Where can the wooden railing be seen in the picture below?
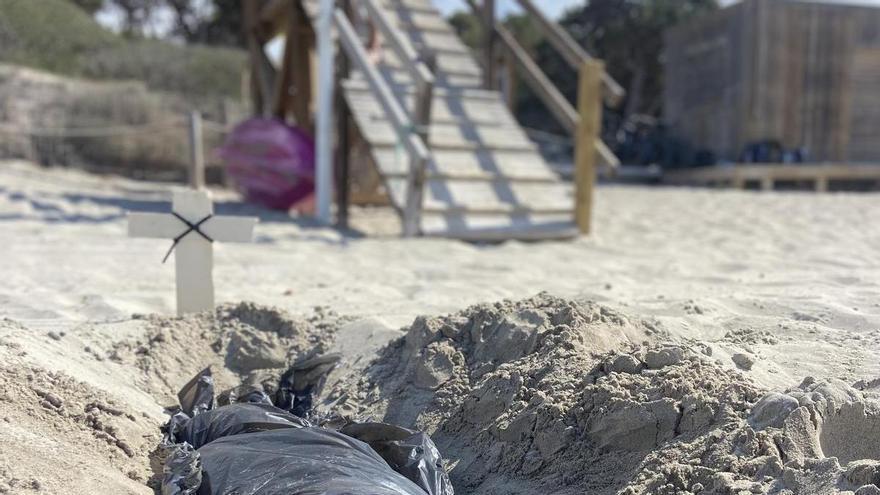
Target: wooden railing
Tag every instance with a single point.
(411, 140)
(571, 51)
(583, 123)
(421, 69)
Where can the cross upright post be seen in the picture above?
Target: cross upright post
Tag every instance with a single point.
(193, 227)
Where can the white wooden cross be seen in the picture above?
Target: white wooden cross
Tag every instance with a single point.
(192, 227)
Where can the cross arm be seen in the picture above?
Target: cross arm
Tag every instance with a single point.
(230, 229)
(153, 225)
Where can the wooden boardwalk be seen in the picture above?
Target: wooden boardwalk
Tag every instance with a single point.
(766, 176)
(485, 179)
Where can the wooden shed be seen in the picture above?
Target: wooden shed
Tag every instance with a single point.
(801, 73)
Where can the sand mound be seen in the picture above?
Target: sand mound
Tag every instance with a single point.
(547, 395)
(58, 433)
(540, 395)
(238, 342)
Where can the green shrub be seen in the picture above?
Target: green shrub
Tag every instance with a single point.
(57, 36)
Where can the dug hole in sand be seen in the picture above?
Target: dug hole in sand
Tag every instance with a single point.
(543, 395)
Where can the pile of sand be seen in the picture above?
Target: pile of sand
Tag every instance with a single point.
(238, 342)
(60, 435)
(547, 395)
(63, 436)
(543, 395)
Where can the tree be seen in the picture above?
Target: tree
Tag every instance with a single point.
(90, 6)
(628, 36)
(136, 14)
(215, 22)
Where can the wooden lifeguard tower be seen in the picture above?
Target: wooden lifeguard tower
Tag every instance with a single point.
(451, 156)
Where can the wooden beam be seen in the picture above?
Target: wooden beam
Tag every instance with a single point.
(589, 127)
(533, 75)
(343, 144)
(489, 36)
(301, 31)
(765, 174)
(284, 82)
(262, 72)
(571, 51)
(510, 80)
(271, 18)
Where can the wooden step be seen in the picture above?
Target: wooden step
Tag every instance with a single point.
(444, 110)
(467, 136)
(452, 64)
(419, 20)
(400, 78)
(475, 227)
(488, 197)
(357, 83)
(483, 165)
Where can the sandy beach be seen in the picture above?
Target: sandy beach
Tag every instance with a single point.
(765, 288)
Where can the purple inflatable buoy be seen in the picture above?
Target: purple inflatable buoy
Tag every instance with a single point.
(271, 163)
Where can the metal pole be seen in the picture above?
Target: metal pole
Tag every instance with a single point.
(196, 151)
(324, 127)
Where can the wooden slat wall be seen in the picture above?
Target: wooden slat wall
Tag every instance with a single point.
(801, 73)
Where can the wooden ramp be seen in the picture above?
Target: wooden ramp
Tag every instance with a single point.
(484, 179)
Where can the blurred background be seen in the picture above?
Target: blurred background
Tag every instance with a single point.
(107, 84)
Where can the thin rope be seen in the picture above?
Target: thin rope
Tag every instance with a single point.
(108, 131)
(192, 227)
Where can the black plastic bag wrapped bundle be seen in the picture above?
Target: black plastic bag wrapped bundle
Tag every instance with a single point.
(236, 419)
(410, 453)
(250, 447)
(297, 461)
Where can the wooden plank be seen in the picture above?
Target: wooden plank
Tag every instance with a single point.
(554, 100)
(475, 227)
(381, 132)
(400, 78)
(440, 42)
(404, 50)
(488, 197)
(449, 111)
(776, 172)
(453, 64)
(589, 126)
(483, 165)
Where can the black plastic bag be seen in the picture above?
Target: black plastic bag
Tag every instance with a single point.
(253, 394)
(182, 470)
(302, 461)
(303, 381)
(412, 454)
(235, 419)
(197, 396)
(250, 447)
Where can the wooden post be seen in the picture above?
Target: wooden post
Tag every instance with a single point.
(417, 172)
(588, 129)
(196, 151)
(259, 93)
(343, 143)
(489, 44)
(510, 80)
